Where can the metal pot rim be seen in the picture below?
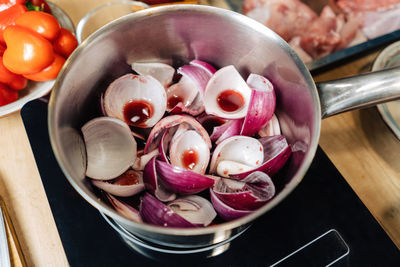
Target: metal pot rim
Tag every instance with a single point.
(192, 231)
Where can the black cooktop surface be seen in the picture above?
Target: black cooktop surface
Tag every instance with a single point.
(322, 223)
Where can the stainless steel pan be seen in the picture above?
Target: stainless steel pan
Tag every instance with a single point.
(181, 33)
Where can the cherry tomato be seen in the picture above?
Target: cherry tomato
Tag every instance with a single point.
(48, 73)
(65, 43)
(8, 17)
(27, 52)
(43, 23)
(41, 4)
(5, 4)
(7, 95)
(14, 81)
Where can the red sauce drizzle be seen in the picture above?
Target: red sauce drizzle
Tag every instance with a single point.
(127, 178)
(190, 159)
(230, 100)
(137, 112)
(173, 101)
(210, 123)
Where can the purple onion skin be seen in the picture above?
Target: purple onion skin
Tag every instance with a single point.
(272, 165)
(155, 212)
(224, 211)
(261, 108)
(150, 176)
(181, 181)
(258, 190)
(241, 201)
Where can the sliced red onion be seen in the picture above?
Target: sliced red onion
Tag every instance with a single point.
(261, 107)
(194, 109)
(227, 95)
(110, 148)
(162, 72)
(181, 92)
(189, 151)
(128, 184)
(233, 128)
(270, 128)
(181, 181)
(204, 65)
(143, 159)
(187, 95)
(164, 144)
(124, 209)
(195, 209)
(102, 109)
(224, 211)
(226, 168)
(138, 100)
(155, 212)
(250, 195)
(240, 149)
(171, 121)
(220, 129)
(140, 133)
(276, 153)
(150, 179)
(209, 122)
(198, 75)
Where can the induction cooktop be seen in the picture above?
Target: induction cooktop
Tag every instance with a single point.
(322, 223)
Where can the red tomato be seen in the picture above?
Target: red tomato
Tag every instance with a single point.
(2, 49)
(8, 17)
(43, 23)
(42, 5)
(7, 95)
(5, 4)
(65, 43)
(48, 73)
(27, 52)
(14, 81)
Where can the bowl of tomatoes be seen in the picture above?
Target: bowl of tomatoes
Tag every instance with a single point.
(36, 38)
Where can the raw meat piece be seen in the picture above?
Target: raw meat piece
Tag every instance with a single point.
(348, 32)
(295, 44)
(286, 17)
(353, 6)
(321, 37)
(379, 23)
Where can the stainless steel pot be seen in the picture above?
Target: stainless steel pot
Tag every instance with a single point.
(181, 33)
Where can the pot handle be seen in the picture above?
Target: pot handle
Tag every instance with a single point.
(358, 91)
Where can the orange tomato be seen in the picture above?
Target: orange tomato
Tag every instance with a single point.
(48, 73)
(65, 43)
(2, 49)
(8, 17)
(27, 52)
(15, 81)
(5, 4)
(43, 23)
(7, 95)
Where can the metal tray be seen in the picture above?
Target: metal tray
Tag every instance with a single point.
(335, 57)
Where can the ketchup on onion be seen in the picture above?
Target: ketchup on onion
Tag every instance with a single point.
(230, 100)
(137, 112)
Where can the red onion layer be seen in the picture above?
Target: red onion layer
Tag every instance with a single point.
(181, 181)
(227, 213)
(276, 153)
(152, 184)
(155, 212)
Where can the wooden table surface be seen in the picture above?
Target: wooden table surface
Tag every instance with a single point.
(360, 145)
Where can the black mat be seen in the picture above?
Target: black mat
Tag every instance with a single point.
(323, 201)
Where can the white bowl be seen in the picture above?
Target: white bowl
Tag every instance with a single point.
(36, 90)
